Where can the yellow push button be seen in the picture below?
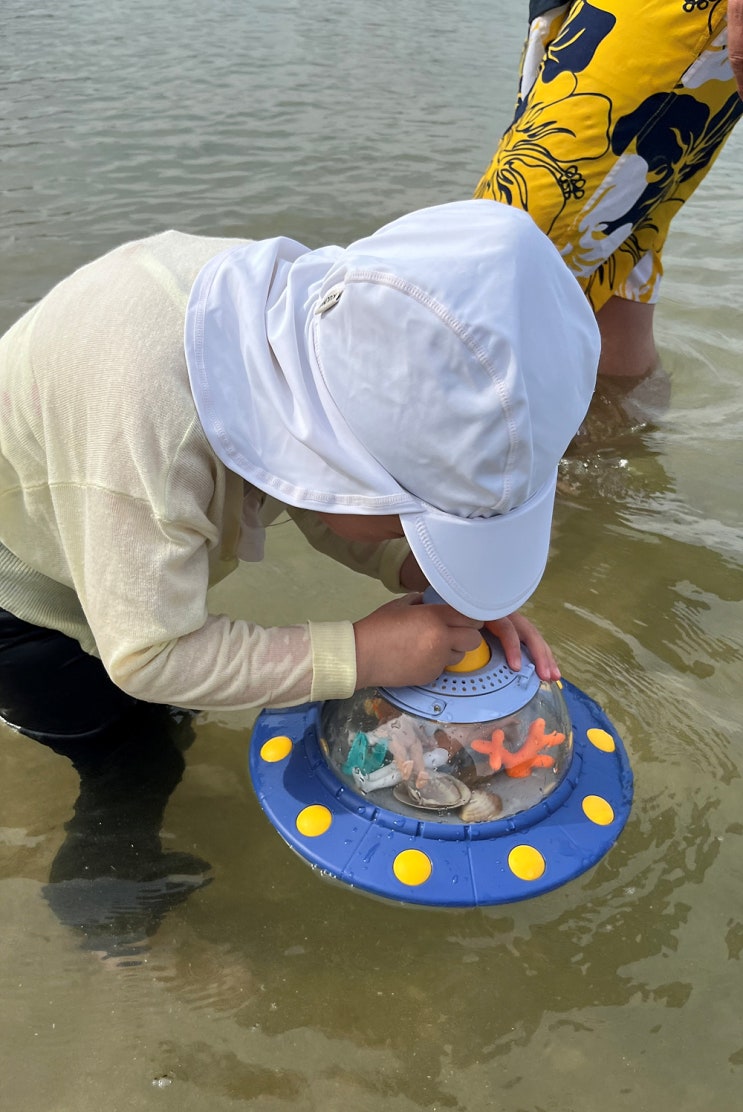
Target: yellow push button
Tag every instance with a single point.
(412, 867)
(471, 661)
(598, 810)
(314, 820)
(526, 863)
(601, 739)
(276, 748)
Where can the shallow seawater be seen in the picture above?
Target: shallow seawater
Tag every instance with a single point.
(268, 987)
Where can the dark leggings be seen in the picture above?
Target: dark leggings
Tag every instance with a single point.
(51, 689)
(110, 880)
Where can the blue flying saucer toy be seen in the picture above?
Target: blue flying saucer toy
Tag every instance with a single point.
(486, 787)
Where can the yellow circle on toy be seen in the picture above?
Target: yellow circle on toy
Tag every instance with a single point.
(471, 661)
(314, 820)
(526, 863)
(276, 748)
(601, 739)
(598, 810)
(412, 867)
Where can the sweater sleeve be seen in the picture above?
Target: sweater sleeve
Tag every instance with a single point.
(144, 595)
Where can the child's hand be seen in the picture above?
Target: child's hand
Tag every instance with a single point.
(405, 643)
(514, 629)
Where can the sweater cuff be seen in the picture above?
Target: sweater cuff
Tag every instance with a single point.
(393, 557)
(333, 660)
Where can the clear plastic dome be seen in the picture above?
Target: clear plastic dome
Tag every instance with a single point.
(468, 771)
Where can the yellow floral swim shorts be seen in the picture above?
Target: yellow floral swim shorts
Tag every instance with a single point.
(623, 106)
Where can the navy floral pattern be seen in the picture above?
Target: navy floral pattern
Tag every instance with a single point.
(677, 136)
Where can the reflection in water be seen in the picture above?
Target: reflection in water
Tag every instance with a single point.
(111, 880)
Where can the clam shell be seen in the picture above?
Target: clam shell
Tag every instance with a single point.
(482, 806)
(441, 792)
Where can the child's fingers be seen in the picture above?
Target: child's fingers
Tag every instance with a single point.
(506, 632)
(544, 660)
(514, 630)
(464, 640)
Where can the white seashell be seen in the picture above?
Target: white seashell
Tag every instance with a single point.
(440, 792)
(482, 806)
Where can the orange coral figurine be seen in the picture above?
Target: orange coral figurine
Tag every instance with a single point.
(494, 749)
(529, 756)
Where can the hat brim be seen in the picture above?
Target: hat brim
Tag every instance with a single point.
(484, 567)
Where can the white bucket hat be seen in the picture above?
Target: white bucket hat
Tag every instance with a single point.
(436, 369)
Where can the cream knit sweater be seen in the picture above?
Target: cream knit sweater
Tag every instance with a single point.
(115, 514)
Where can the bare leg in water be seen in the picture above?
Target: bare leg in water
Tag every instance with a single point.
(627, 343)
